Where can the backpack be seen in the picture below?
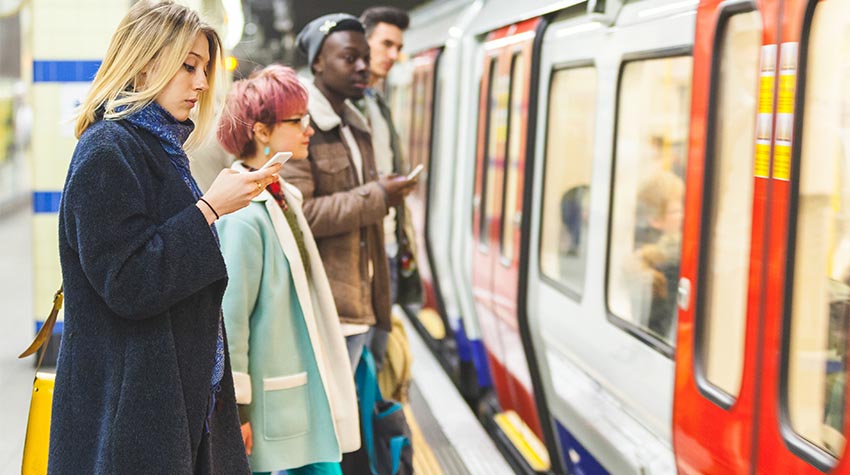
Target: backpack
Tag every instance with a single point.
(386, 435)
(394, 377)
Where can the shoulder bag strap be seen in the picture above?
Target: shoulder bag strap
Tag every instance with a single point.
(46, 330)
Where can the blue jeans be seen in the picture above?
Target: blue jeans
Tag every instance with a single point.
(355, 344)
(377, 337)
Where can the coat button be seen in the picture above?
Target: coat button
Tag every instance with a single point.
(363, 192)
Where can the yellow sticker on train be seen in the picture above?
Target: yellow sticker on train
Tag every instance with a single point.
(787, 83)
(787, 77)
(762, 163)
(766, 94)
(782, 162)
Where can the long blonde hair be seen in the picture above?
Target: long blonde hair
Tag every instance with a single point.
(157, 36)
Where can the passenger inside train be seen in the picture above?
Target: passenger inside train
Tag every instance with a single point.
(658, 242)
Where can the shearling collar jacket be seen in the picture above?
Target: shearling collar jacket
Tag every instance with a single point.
(326, 119)
(346, 218)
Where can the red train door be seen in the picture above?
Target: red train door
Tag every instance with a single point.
(765, 292)
(721, 274)
(497, 217)
(803, 404)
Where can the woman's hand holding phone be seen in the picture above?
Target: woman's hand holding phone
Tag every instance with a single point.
(279, 157)
(232, 190)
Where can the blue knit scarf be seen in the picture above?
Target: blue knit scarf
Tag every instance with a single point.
(172, 134)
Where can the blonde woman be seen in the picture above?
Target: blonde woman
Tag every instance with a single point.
(143, 381)
(290, 362)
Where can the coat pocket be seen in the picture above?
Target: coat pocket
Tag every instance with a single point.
(335, 169)
(286, 406)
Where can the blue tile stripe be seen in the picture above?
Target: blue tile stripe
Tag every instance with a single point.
(64, 71)
(46, 201)
(57, 329)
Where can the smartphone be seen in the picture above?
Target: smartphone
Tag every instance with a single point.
(279, 157)
(416, 171)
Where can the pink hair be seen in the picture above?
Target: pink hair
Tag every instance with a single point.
(267, 96)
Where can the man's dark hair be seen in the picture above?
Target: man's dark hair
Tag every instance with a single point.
(392, 15)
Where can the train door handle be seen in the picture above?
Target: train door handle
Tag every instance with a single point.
(684, 294)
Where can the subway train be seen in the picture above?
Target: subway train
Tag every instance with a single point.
(634, 227)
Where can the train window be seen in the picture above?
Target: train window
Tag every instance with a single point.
(566, 190)
(495, 134)
(723, 297)
(647, 195)
(400, 101)
(418, 140)
(820, 298)
(513, 152)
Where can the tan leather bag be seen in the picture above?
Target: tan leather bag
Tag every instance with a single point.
(37, 440)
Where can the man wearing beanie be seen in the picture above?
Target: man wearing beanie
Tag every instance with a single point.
(345, 200)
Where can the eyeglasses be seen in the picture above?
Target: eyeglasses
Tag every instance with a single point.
(303, 121)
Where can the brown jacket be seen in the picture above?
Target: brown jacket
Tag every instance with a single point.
(346, 218)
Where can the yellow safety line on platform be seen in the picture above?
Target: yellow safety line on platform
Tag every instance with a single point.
(433, 323)
(525, 441)
(424, 461)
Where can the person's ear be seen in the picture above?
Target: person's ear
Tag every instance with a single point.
(141, 79)
(318, 66)
(262, 133)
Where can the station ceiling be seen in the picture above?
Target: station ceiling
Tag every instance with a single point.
(271, 26)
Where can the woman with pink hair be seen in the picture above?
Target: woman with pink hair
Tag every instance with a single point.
(290, 365)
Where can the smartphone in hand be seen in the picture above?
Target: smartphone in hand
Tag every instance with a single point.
(279, 157)
(415, 172)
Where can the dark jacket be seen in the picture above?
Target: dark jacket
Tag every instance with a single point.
(144, 279)
(409, 284)
(346, 218)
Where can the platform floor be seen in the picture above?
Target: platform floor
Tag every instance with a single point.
(447, 437)
(16, 332)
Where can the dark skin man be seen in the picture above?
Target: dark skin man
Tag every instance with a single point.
(341, 71)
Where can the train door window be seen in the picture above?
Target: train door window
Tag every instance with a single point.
(571, 128)
(820, 298)
(417, 136)
(495, 132)
(729, 198)
(513, 152)
(647, 197)
(400, 102)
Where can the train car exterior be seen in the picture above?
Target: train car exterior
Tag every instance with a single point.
(649, 228)
(761, 366)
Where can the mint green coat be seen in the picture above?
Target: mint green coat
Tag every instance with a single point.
(288, 355)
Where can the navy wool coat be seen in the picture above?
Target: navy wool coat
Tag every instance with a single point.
(144, 279)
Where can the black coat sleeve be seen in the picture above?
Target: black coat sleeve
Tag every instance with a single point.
(140, 267)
